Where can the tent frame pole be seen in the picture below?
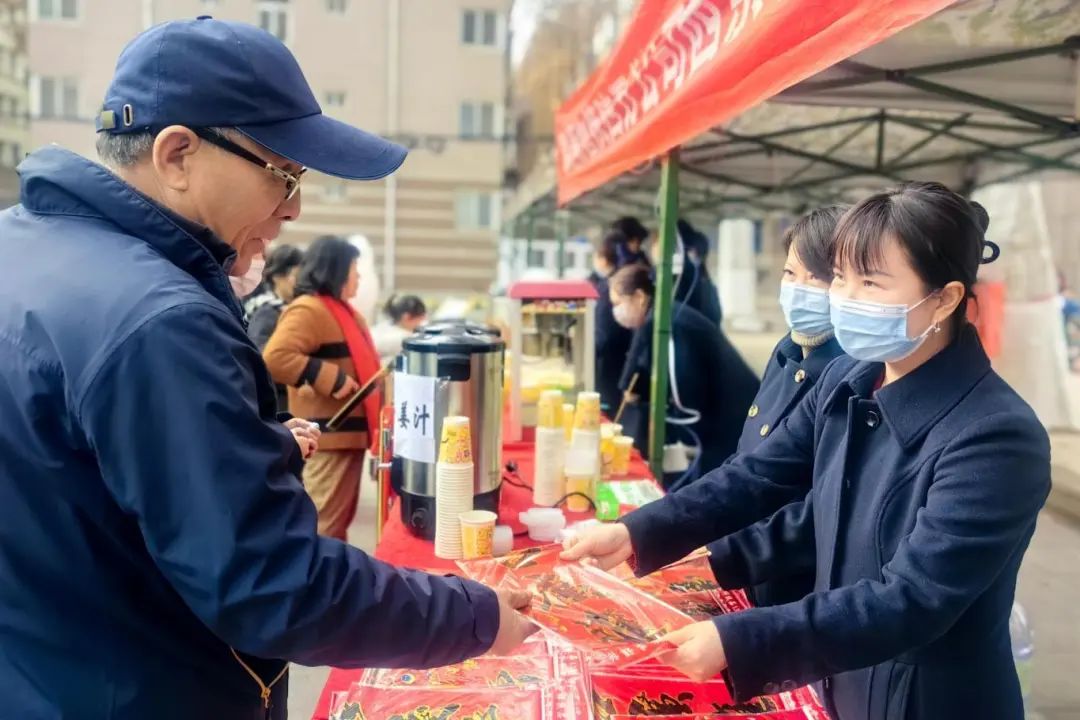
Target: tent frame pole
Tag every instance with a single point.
(662, 307)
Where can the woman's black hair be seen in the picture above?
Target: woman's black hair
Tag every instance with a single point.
(814, 237)
(325, 268)
(942, 233)
(693, 239)
(281, 261)
(398, 307)
(609, 247)
(631, 227)
(632, 278)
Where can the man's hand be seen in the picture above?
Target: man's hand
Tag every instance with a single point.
(306, 434)
(698, 653)
(346, 391)
(513, 626)
(606, 546)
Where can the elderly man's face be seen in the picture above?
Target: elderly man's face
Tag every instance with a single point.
(243, 204)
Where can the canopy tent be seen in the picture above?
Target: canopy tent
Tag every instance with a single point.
(968, 93)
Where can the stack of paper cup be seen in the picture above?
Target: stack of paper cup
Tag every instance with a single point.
(453, 486)
(568, 419)
(583, 454)
(587, 413)
(608, 433)
(620, 463)
(548, 481)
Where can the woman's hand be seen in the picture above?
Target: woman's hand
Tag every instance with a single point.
(346, 391)
(606, 546)
(698, 653)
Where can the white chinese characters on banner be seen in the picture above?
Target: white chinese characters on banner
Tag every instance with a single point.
(414, 417)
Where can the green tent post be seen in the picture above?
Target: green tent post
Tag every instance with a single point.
(562, 231)
(665, 287)
(530, 228)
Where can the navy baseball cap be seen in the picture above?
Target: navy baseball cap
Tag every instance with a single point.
(213, 73)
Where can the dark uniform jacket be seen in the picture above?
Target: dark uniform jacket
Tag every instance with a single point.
(924, 498)
(151, 512)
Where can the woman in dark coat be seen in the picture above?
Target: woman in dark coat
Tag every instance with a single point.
(612, 339)
(798, 360)
(710, 385)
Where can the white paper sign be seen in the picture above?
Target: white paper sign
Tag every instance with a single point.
(414, 417)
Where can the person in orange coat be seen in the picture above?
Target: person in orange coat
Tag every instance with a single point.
(322, 350)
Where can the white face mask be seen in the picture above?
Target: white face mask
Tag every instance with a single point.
(246, 283)
(625, 316)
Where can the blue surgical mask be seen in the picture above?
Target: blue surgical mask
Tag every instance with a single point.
(875, 332)
(806, 308)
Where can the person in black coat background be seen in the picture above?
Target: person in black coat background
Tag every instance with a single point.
(710, 385)
(632, 251)
(612, 339)
(694, 285)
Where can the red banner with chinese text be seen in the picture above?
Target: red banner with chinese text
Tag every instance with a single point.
(685, 66)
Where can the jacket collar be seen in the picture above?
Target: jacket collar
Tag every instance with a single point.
(55, 181)
(788, 351)
(915, 403)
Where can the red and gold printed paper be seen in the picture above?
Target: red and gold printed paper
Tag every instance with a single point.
(416, 703)
(512, 571)
(667, 694)
(689, 586)
(602, 615)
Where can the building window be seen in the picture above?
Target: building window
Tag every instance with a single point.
(16, 154)
(56, 98)
(335, 98)
(337, 6)
(475, 210)
(477, 120)
(56, 9)
(480, 27)
(210, 4)
(335, 191)
(274, 18)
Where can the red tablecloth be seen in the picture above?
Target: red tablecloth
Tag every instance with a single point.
(399, 547)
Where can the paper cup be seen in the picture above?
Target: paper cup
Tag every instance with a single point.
(620, 461)
(548, 484)
(549, 409)
(502, 541)
(568, 419)
(456, 444)
(577, 486)
(587, 413)
(477, 533)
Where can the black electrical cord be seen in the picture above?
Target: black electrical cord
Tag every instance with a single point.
(511, 477)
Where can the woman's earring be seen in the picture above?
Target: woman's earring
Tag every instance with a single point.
(937, 328)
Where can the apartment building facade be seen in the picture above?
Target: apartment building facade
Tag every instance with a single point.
(429, 73)
(14, 96)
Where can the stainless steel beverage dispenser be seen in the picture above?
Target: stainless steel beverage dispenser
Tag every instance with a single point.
(467, 362)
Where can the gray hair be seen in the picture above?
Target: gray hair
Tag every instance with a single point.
(127, 149)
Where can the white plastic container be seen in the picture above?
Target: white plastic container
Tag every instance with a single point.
(544, 524)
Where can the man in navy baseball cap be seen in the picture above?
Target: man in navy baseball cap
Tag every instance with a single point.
(162, 553)
(185, 85)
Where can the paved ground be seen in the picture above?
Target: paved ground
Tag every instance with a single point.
(1049, 581)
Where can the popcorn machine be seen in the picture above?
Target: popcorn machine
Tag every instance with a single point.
(552, 345)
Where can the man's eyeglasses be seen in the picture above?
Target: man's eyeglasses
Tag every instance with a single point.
(292, 181)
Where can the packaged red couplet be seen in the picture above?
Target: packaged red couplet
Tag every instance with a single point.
(484, 671)
(637, 695)
(601, 614)
(514, 570)
(780, 715)
(367, 703)
(690, 586)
